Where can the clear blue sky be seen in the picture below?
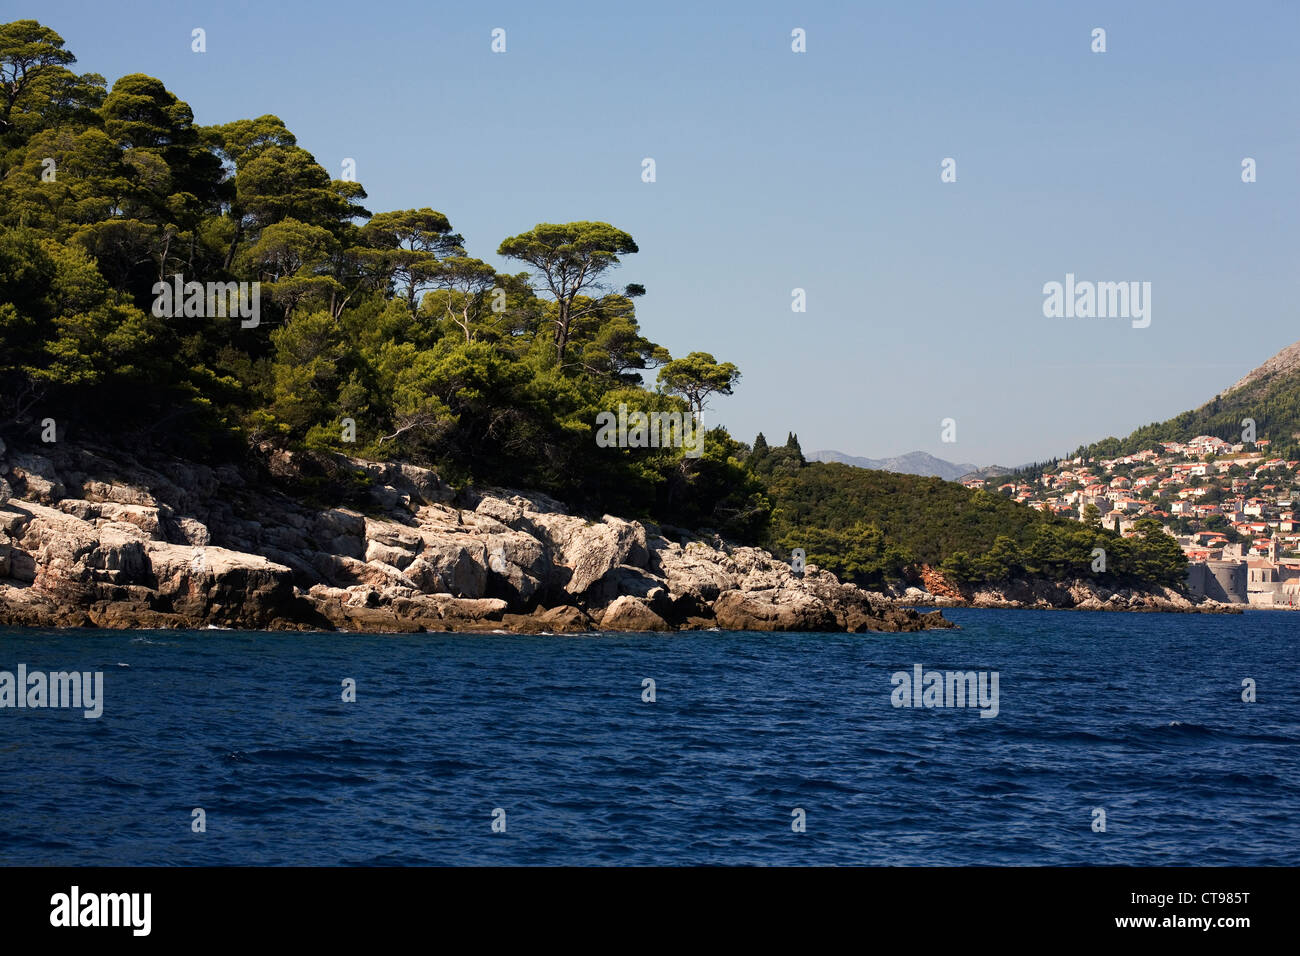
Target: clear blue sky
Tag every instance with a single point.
(821, 170)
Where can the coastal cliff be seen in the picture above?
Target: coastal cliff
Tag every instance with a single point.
(96, 537)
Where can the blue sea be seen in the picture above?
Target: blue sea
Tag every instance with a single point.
(1140, 716)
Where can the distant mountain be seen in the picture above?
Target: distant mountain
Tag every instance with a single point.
(913, 463)
(992, 471)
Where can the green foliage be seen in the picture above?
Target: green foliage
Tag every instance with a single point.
(698, 376)
(1272, 401)
(782, 461)
(569, 260)
(859, 552)
(870, 524)
(383, 326)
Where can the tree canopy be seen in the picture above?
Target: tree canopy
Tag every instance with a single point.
(570, 259)
(378, 335)
(382, 336)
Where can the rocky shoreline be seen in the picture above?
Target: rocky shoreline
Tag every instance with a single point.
(94, 537)
(1079, 594)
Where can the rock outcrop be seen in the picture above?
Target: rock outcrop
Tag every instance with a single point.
(90, 537)
(1081, 594)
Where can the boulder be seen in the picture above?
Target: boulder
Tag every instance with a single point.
(392, 543)
(456, 565)
(34, 478)
(627, 581)
(507, 512)
(469, 609)
(694, 578)
(786, 610)
(118, 557)
(218, 586)
(590, 550)
(416, 484)
(120, 493)
(341, 531)
(519, 568)
(632, 614)
(563, 619)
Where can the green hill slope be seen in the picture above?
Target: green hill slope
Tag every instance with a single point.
(870, 526)
(1269, 395)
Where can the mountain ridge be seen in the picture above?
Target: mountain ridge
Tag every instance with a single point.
(911, 463)
(1287, 360)
(915, 463)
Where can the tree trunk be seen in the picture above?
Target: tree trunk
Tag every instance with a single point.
(562, 332)
(234, 244)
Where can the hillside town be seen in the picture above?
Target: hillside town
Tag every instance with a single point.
(1232, 508)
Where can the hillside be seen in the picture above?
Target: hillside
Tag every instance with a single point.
(876, 527)
(1222, 480)
(1269, 395)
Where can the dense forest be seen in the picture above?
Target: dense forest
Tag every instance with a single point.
(379, 335)
(871, 525)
